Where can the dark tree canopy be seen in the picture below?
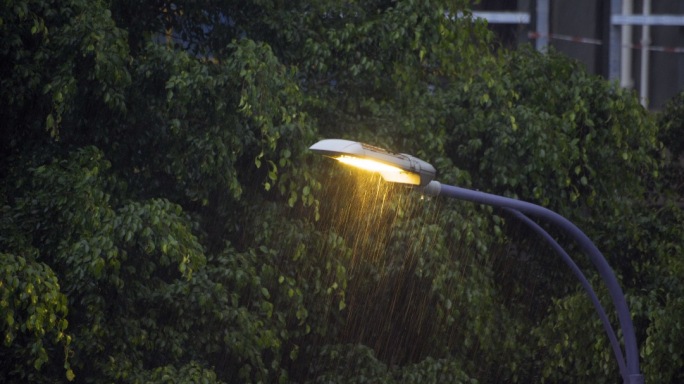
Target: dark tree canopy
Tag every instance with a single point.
(161, 219)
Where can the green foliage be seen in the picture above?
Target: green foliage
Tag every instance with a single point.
(671, 122)
(541, 128)
(249, 103)
(560, 336)
(33, 316)
(162, 219)
(357, 364)
(53, 54)
(351, 364)
(189, 373)
(658, 308)
(664, 336)
(576, 168)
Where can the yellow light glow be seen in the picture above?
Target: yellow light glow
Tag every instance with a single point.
(368, 164)
(389, 172)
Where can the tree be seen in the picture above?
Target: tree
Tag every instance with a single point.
(161, 209)
(671, 122)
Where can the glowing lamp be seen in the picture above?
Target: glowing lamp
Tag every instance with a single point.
(393, 167)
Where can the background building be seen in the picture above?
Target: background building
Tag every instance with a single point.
(639, 43)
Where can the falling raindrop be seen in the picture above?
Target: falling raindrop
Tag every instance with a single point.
(429, 277)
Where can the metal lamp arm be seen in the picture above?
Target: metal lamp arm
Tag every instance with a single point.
(631, 350)
(615, 344)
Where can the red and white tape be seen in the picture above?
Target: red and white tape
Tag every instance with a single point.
(587, 40)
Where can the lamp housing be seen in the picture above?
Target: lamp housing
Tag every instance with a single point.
(393, 167)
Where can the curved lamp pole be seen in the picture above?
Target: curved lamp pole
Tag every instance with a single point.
(406, 169)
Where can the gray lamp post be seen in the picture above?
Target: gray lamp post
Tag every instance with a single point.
(406, 169)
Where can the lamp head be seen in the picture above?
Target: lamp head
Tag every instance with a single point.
(393, 167)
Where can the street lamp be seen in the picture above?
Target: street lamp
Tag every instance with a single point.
(406, 169)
